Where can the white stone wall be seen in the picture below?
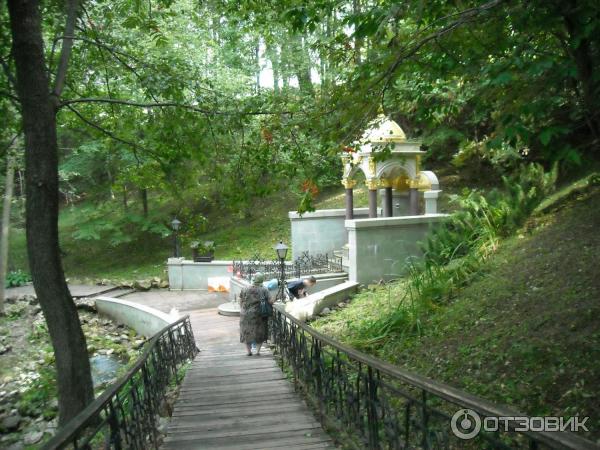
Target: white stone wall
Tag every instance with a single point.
(145, 320)
(190, 275)
(321, 231)
(379, 248)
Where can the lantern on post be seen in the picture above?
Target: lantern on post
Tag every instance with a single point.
(281, 249)
(175, 226)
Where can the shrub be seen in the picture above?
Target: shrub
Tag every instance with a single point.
(17, 278)
(453, 253)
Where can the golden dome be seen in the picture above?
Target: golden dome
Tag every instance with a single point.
(383, 130)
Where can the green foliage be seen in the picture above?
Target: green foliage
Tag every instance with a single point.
(100, 223)
(455, 251)
(39, 395)
(203, 247)
(16, 278)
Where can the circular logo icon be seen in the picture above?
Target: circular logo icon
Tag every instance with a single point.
(465, 424)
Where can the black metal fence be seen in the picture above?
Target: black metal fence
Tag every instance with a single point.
(124, 416)
(375, 405)
(304, 265)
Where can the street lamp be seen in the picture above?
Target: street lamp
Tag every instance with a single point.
(281, 250)
(175, 225)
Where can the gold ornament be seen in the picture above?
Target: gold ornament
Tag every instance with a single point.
(386, 183)
(372, 166)
(348, 183)
(373, 183)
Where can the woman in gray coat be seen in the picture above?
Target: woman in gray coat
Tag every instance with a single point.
(254, 328)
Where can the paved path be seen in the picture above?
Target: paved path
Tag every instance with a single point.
(229, 400)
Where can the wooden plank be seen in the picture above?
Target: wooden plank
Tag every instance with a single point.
(243, 435)
(198, 403)
(227, 399)
(240, 422)
(243, 409)
(256, 388)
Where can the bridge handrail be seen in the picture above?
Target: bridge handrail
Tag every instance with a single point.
(130, 415)
(373, 398)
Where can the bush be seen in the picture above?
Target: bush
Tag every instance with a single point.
(17, 278)
(454, 252)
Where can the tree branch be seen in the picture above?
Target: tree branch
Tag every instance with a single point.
(135, 147)
(97, 43)
(67, 44)
(10, 143)
(9, 95)
(170, 105)
(9, 75)
(464, 17)
(103, 130)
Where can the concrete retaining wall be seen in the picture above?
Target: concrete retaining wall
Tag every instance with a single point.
(189, 275)
(143, 319)
(321, 231)
(308, 307)
(380, 248)
(324, 281)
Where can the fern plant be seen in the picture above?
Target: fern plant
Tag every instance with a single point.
(455, 251)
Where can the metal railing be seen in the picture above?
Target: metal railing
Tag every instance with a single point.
(124, 416)
(304, 265)
(375, 405)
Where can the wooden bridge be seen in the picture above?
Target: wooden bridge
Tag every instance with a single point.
(232, 401)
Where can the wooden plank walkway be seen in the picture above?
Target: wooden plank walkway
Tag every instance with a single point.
(232, 401)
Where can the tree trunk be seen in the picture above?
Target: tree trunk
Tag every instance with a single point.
(273, 56)
(41, 184)
(145, 201)
(125, 198)
(4, 238)
(258, 69)
(357, 41)
(303, 66)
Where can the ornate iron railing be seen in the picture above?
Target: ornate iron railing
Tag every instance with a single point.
(304, 265)
(124, 416)
(375, 405)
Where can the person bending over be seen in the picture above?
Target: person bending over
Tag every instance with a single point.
(298, 288)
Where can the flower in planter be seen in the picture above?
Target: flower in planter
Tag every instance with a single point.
(203, 249)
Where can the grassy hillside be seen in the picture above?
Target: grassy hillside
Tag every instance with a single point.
(525, 332)
(146, 254)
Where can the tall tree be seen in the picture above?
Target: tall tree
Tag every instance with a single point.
(38, 110)
(4, 239)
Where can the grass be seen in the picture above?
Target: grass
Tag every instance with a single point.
(524, 332)
(145, 255)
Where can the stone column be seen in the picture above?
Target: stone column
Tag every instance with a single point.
(349, 204)
(372, 185)
(349, 186)
(431, 198)
(413, 197)
(388, 210)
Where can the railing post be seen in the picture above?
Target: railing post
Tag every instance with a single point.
(424, 420)
(115, 431)
(372, 418)
(317, 370)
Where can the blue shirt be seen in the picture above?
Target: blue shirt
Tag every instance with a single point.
(295, 286)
